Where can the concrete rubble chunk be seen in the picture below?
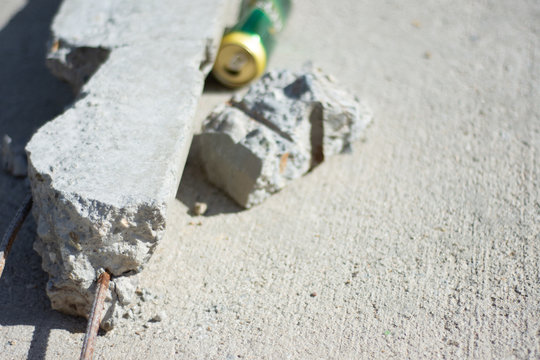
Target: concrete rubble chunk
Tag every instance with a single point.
(284, 125)
(103, 172)
(246, 159)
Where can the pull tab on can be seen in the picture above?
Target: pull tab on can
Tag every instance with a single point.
(245, 49)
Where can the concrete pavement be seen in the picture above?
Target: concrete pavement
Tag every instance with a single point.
(422, 243)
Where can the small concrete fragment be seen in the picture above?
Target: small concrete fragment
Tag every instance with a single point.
(104, 171)
(199, 208)
(286, 124)
(13, 157)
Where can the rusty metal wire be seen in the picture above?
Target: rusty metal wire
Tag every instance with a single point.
(13, 229)
(94, 319)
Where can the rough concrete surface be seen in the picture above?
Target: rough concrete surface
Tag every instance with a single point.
(422, 243)
(286, 124)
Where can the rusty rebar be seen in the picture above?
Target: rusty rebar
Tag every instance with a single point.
(94, 318)
(13, 229)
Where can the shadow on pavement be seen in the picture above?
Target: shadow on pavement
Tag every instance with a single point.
(212, 86)
(29, 94)
(29, 97)
(195, 188)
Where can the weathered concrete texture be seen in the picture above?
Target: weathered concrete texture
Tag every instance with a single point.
(103, 172)
(309, 102)
(286, 124)
(246, 159)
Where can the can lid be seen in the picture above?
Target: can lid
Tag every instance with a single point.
(241, 58)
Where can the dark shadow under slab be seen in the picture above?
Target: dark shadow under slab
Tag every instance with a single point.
(29, 97)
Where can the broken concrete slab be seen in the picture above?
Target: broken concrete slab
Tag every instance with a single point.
(84, 33)
(285, 124)
(103, 173)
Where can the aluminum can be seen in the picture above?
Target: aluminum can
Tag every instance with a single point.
(246, 47)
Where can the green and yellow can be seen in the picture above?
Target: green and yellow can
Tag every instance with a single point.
(245, 48)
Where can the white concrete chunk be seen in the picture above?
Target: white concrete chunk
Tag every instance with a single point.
(286, 124)
(103, 172)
